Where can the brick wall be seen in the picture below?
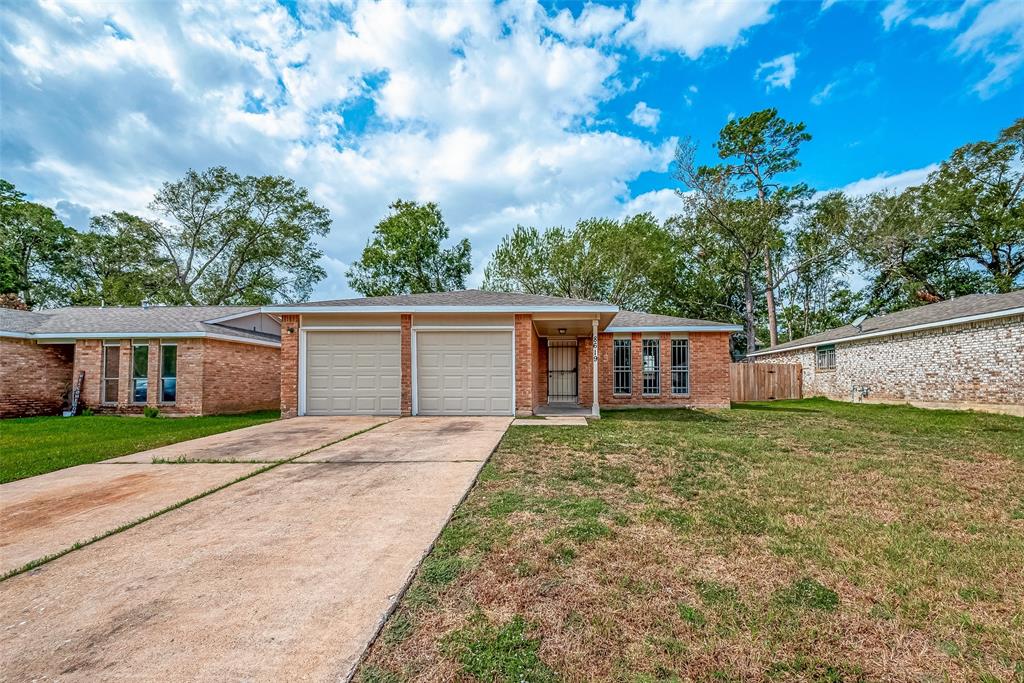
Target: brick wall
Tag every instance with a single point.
(978, 365)
(525, 341)
(289, 366)
(585, 370)
(540, 364)
(406, 406)
(239, 378)
(34, 378)
(709, 373)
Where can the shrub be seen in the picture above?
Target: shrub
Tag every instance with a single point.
(86, 412)
(151, 411)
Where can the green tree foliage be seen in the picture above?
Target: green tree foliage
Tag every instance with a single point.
(232, 239)
(34, 250)
(624, 262)
(405, 254)
(744, 202)
(117, 268)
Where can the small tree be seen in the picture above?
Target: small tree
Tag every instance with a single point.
(405, 254)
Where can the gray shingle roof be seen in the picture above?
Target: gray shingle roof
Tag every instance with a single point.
(20, 321)
(937, 313)
(86, 320)
(634, 319)
(464, 297)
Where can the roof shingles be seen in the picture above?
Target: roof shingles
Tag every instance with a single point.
(932, 314)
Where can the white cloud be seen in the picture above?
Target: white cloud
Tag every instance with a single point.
(662, 203)
(644, 116)
(778, 72)
(478, 107)
(895, 182)
(895, 13)
(997, 34)
(692, 26)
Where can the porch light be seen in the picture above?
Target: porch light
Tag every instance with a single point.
(561, 330)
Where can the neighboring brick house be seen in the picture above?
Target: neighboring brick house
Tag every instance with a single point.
(476, 353)
(965, 353)
(184, 360)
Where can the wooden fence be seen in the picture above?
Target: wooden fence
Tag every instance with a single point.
(765, 381)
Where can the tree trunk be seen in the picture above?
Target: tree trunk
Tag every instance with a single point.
(769, 295)
(748, 312)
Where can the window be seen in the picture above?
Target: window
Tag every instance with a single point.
(826, 357)
(111, 372)
(168, 373)
(652, 366)
(622, 367)
(680, 366)
(140, 373)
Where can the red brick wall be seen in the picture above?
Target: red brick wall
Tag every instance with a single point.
(525, 341)
(239, 378)
(709, 372)
(33, 377)
(289, 366)
(191, 373)
(585, 368)
(406, 406)
(87, 357)
(540, 363)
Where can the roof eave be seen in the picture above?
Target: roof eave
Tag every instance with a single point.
(49, 336)
(675, 328)
(600, 308)
(963, 320)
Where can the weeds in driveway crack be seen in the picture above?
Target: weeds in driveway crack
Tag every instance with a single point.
(174, 506)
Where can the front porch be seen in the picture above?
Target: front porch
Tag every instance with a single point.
(565, 365)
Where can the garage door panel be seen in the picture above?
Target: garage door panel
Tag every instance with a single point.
(353, 372)
(464, 373)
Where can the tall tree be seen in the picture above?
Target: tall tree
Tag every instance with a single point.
(34, 248)
(405, 254)
(624, 262)
(756, 150)
(232, 239)
(975, 202)
(117, 269)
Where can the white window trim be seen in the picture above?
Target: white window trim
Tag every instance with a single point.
(160, 396)
(619, 368)
(133, 378)
(679, 368)
(657, 370)
(103, 373)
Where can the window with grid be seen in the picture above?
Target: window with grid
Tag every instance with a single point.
(826, 357)
(652, 366)
(168, 373)
(680, 366)
(622, 367)
(111, 372)
(140, 373)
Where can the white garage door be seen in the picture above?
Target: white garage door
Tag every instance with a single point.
(464, 373)
(350, 373)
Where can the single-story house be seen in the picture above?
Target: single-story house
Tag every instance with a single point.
(453, 353)
(964, 353)
(187, 360)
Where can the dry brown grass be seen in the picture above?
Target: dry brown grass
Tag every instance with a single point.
(828, 543)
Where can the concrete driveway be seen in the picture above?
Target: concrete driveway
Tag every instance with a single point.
(285, 575)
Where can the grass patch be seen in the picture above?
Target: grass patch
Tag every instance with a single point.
(36, 445)
(792, 541)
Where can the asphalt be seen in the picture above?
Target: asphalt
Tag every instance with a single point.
(285, 575)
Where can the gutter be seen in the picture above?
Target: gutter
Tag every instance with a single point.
(949, 322)
(677, 328)
(439, 309)
(139, 335)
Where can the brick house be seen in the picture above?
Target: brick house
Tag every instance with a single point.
(184, 360)
(475, 352)
(453, 353)
(965, 353)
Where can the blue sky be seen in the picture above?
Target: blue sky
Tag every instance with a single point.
(525, 112)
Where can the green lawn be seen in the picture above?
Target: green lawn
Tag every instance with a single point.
(36, 445)
(793, 541)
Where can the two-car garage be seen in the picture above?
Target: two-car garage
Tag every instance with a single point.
(454, 372)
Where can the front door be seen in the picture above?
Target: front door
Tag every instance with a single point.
(562, 371)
